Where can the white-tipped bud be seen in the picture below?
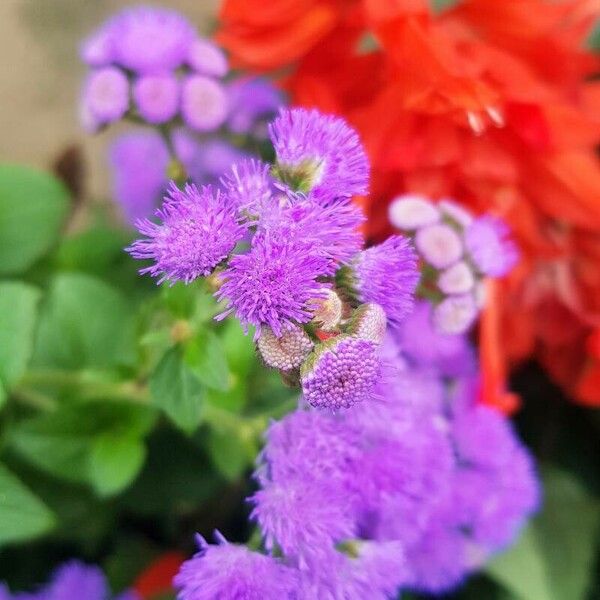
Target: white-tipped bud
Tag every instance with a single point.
(369, 322)
(457, 279)
(455, 314)
(284, 353)
(456, 213)
(410, 211)
(328, 311)
(439, 245)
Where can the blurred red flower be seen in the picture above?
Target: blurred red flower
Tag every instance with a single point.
(490, 103)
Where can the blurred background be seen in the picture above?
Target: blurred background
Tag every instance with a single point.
(40, 84)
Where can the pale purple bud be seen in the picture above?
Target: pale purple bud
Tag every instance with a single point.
(204, 104)
(456, 212)
(369, 323)
(457, 279)
(455, 314)
(206, 58)
(157, 97)
(410, 211)
(439, 245)
(105, 97)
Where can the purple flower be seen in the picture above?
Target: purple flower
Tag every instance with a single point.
(340, 373)
(387, 275)
(331, 231)
(231, 572)
(426, 347)
(487, 242)
(198, 230)
(139, 161)
(204, 105)
(457, 279)
(150, 40)
(206, 58)
(273, 284)
(456, 213)
(439, 245)
(105, 98)
(156, 97)
(249, 185)
(319, 152)
(252, 101)
(303, 517)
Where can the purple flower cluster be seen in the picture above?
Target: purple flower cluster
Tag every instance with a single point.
(413, 491)
(280, 244)
(71, 580)
(458, 252)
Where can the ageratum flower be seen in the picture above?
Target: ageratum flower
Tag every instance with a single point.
(231, 572)
(105, 98)
(250, 186)
(387, 275)
(198, 229)
(204, 104)
(206, 58)
(341, 373)
(272, 284)
(138, 161)
(319, 153)
(72, 580)
(487, 242)
(253, 101)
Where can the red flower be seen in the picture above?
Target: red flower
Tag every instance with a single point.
(490, 103)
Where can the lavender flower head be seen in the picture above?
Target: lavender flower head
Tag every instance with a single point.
(252, 101)
(157, 97)
(319, 153)
(341, 373)
(272, 284)
(387, 275)
(139, 161)
(197, 230)
(250, 186)
(204, 104)
(105, 98)
(206, 58)
(487, 242)
(150, 40)
(71, 580)
(231, 572)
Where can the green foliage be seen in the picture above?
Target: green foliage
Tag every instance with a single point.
(22, 515)
(33, 208)
(18, 313)
(554, 559)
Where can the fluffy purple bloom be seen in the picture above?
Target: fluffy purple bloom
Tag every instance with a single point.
(273, 284)
(206, 58)
(139, 163)
(97, 49)
(487, 243)
(426, 347)
(331, 231)
(204, 105)
(319, 152)
(252, 101)
(231, 572)
(150, 40)
(341, 373)
(303, 517)
(457, 279)
(197, 230)
(249, 185)
(410, 211)
(105, 97)
(387, 275)
(156, 97)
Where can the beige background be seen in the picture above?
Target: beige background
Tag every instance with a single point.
(40, 75)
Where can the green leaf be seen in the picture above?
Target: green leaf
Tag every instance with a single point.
(62, 442)
(18, 306)
(115, 460)
(554, 559)
(84, 323)
(440, 5)
(205, 356)
(230, 454)
(33, 207)
(22, 514)
(177, 391)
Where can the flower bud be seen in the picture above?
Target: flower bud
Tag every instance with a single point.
(368, 322)
(284, 353)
